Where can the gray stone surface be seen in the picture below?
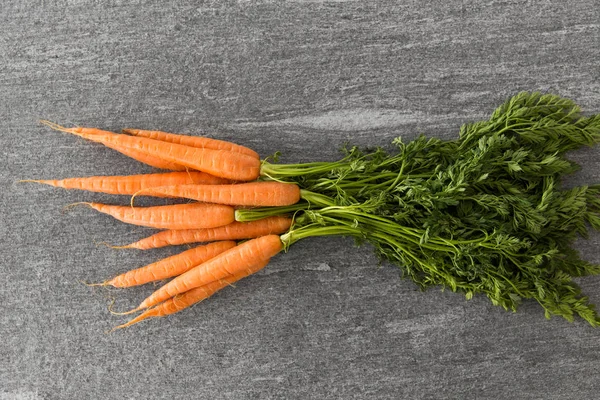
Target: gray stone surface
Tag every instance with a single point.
(322, 321)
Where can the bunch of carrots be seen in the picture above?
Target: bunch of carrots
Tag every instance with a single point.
(219, 177)
(482, 213)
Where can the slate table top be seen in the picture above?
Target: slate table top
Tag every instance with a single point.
(323, 321)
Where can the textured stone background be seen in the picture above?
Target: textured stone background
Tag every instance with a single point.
(301, 77)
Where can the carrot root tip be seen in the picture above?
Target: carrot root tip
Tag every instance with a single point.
(116, 328)
(56, 126)
(126, 324)
(133, 196)
(105, 283)
(30, 180)
(69, 206)
(125, 246)
(142, 317)
(121, 313)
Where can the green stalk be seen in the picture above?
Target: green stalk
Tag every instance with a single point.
(314, 230)
(281, 171)
(253, 214)
(476, 213)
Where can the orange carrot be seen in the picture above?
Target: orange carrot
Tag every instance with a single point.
(240, 258)
(221, 163)
(135, 154)
(146, 159)
(170, 266)
(176, 216)
(235, 230)
(132, 184)
(191, 297)
(241, 194)
(193, 141)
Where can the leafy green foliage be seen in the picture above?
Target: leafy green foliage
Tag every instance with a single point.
(484, 213)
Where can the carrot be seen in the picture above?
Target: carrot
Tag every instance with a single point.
(221, 163)
(242, 194)
(193, 141)
(135, 154)
(240, 258)
(235, 230)
(132, 184)
(176, 216)
(170, 266)
(191, 297)
(146, 159)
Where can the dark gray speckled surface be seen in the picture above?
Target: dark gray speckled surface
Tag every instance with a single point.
(302, 77)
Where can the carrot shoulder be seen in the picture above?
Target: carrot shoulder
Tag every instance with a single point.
(191, 297)
(234, 231)
(176, 216)
(230, 262)
(133, 184)
(221, 163)
(241, 194)
(170, 266)
(193, 141)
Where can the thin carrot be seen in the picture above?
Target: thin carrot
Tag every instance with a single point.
(234, 231)
(193, 141)
(230, 262)
(176, 216)
(191, 297)
(221, 163)
(135, 154)
(170, 266)
(132, 184)
(241, 194)
(147, 159)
